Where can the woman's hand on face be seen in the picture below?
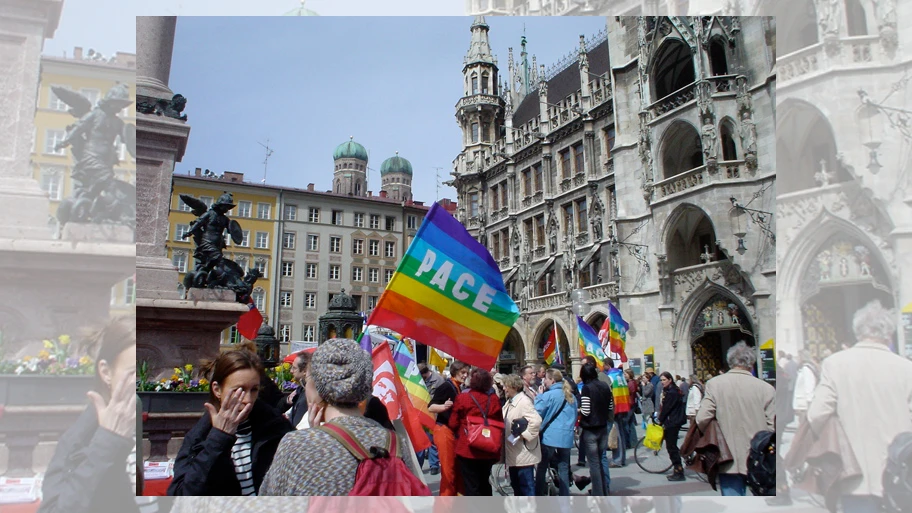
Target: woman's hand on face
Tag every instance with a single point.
(231, 414)
(119, 414)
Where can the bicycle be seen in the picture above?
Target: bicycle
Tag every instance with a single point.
(500, 480)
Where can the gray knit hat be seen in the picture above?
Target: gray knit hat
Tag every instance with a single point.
(342, 372)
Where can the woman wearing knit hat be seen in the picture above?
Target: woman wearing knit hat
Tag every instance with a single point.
(311, 461)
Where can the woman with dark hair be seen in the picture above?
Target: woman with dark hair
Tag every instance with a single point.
(671, 417)
(95, 464)
(229, 450)
(475, 465)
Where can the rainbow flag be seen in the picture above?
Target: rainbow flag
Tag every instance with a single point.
(404, 357)
(388, 387)
(613, 335)
(448, 293)
(552, 348)
(589, 343)
(620, 390)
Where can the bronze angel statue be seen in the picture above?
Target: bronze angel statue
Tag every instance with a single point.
(98, 196)
(212, 269)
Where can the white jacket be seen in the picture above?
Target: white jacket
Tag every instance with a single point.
(804, 388)
(694, 396)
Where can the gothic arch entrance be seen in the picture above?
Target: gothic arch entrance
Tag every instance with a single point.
(843, 276)
(720, 324)
(542, 339)
(512, 355)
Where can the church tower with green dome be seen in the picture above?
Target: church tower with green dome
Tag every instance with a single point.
(350, 175)
(396, 177)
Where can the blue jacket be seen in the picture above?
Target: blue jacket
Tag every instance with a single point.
(560, 432)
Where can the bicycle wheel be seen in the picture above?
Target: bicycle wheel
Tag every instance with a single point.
(650, 460)
(500, 479)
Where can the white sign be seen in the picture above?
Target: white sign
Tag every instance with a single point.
(297, 346)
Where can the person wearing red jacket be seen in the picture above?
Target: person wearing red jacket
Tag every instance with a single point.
(474, 465)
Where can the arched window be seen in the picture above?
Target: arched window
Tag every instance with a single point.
(474, 83)
(726, 133)
(805, 144)
(484, 83)
(358, 188)
(682, 149)
(717, 57)
(338, 186)
(858, 20)
(673, 69)
(691, 239)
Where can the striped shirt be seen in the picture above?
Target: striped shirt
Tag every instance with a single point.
(131, 464)
(240, 455)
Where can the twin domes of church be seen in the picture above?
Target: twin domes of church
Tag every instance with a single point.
(350, 178)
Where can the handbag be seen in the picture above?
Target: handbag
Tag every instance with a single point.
(654, 435)
(613, 437)
(484, 434)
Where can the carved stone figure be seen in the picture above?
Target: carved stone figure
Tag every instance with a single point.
(707, 316)
(844, 267)
(212, 269)
(643, 59)
(824, 260)
(98, 196)
(168, 108)
(704, 100)
(828, 17)
(595, 217)
(709, 143)
(733, 311)
(515, 240)
(748, 135)
(863, 255)
(552, 234)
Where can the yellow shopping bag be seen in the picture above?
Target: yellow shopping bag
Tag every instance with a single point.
(654, 435)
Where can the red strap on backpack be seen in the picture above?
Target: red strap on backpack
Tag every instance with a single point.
(378, 474)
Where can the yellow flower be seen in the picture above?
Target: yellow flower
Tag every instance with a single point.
(85, 360)
(27, 358)
(48, 344)
(163, 380)
(204, 382)
(286, 365)
(44, 355)
(176, 371)
(174, 377)
(64, 340)
(188, 367)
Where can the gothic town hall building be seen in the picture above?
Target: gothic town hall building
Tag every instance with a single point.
(640, 169)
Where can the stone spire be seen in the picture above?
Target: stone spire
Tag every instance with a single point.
(526, 72)
(480, 48)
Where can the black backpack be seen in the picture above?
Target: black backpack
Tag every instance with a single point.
(897, 476)
(761, 464)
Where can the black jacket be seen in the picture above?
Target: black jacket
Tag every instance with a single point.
(298, 407)
(203, 465)
(601, 405)
(673, 407)
(88, 472)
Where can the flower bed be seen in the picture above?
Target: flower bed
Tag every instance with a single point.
(56, 359)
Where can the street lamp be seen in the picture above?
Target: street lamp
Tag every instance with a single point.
(871, 129)
(760, 217)
(614, 246)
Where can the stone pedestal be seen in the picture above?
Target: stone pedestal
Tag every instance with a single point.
(171, 333)
(85, 232)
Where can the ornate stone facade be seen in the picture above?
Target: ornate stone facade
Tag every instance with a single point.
(639, 217)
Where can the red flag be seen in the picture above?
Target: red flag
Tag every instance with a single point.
(249, 323)
(389, 389)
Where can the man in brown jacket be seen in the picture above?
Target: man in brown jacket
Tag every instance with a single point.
(743, 405)
(852, 387)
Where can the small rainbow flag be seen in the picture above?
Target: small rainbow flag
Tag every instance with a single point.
(613, 335)
(620, 390)
(448, 293)
(552, 348)
(404, 357)
(589, 343)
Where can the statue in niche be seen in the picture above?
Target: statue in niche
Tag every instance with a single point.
(709, 141)
(844, 267)
(595, 217)
(98, 196)
(864, 260)
(824, 260)
(515, 241)
(733, 311)
(552, 234)
(212, 269)
(707, 316)
(720, 317)
(748, 137)
(828, 17)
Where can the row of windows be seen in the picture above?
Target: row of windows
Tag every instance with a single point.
(260, 242)
(180, 259)
(55, 103)
(289, 240)
(311, 272)
(244, 209)
(350, 165)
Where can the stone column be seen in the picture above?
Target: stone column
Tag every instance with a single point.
(160, 143)
(154, 46)
(23, 28)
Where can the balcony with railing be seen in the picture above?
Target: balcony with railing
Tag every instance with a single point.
(480, 99)
(688, 180)
(600, 88)
(847, 52)
(673, 101)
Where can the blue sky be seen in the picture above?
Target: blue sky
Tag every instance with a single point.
(321, 7)
(307, 84)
